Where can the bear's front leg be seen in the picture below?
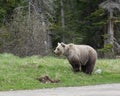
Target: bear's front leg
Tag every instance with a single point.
(75, 66)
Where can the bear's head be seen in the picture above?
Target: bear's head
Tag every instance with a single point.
(61, 49)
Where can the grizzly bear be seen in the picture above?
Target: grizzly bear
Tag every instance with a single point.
(79, 56)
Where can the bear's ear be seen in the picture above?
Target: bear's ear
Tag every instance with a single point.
(62, 44)
(59, 44)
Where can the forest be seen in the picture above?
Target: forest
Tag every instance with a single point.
(34, 27)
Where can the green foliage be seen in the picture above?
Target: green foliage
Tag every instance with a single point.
(106, 51)
(84, 22)
(21, 73)
(71, 32)
(107, 48)
(6, 9)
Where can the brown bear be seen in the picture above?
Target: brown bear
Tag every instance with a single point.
(79, 56)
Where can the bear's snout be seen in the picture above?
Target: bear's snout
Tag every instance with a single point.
(56, 52)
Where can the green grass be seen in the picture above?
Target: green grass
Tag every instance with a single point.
(21, 73)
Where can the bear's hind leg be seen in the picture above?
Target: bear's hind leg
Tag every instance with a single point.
(90, 66)
(83, 68)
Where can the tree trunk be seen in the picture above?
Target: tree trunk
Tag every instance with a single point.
(62, 20)
(109, 42)
(45, 43)
(110, 31)
(110, 28)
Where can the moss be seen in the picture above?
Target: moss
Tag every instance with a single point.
(107, 48)
(106, 52)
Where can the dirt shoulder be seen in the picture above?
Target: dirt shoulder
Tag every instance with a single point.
(97, 90)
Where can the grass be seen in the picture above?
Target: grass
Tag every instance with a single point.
(21, 73)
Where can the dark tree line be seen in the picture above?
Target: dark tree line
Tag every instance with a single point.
(30, 27)
(90, 22)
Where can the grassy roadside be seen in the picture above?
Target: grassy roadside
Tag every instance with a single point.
(21, 73)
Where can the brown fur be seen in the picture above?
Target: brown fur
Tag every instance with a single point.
(46, 79)
(79, 56)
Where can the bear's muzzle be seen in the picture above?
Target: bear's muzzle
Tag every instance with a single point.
(57, 53)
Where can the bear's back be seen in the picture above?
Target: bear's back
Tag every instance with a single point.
(82, 52)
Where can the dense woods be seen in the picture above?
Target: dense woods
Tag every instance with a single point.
(33, 27)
